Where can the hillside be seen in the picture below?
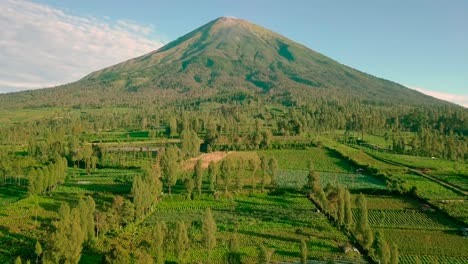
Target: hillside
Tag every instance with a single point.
(226, 56)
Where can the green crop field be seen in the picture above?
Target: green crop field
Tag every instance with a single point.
(297, 179)
(423, 233)
(278, 222)
(429, 189)
(322, 159)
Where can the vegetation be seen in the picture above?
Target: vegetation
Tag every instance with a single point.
(303, 159)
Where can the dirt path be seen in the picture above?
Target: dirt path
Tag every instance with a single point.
(206, 159)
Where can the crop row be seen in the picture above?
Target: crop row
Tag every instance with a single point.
(404, 259)
(298, 178)
(410, 219)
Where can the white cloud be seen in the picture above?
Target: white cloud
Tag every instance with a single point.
(41, 46)
(454, 98)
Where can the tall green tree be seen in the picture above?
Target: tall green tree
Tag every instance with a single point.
(341, 206)
(198, 176)
(227, 170)
(182, 242)
(273, 171)
(159, 236)
(233, 255)
(38, 251)
(253, 164)
(394, 254)
(363, 219)
(381, 248)
(170, 166)
(264, 170)
(67, 241)
(348, 217)
(264, 254)
(303, 252)
(209, 229)
(189, 186)
(212, 175)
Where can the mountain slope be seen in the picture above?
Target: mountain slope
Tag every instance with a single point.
(230, 55)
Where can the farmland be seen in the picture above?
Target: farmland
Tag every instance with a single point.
(425, 234)
(277, 218)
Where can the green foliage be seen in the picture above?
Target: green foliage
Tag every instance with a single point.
(198, 176)
(169, 166)
(66, 242)
(212, 176)
(209, 229)
(159, 238)
(182, 241)
(303, 252)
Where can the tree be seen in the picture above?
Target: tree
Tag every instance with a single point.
(198, 176)
(253, 163)
(172, 127)
(119, 254)
(264, 254)
(314, 187)
(209, 229)
(189, 185)
(394, 254)
(381, 248)
(140, 195)
(18, 260)
(190, 142)
(264, 168)
(212, 175)
(341, 206)
(170, 166)
(303, 252)
(227, 169)
(182, 242)
(86, 209)
(348, 217)
(38, 251)
(363, 218)
(273, 170)
(234, 256)
(67, 241)
(159, 235)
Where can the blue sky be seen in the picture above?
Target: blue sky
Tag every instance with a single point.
(420, 44)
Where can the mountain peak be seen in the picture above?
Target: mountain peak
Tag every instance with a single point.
(230, 54)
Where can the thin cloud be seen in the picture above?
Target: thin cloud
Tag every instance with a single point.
(454, 98)
(41, 46)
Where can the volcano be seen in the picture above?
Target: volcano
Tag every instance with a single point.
(227, 57)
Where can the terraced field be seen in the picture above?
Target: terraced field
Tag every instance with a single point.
(278, 222)
(426, 235)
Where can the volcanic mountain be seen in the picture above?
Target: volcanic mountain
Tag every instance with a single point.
(226, 57)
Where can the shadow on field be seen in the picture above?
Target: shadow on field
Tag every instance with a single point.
(276, 214)
(287, 253)
(342, 163)
(110, 188)
(268, 236)
(14, 245)
(11, 193)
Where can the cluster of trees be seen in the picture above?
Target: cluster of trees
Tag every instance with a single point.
(146, 190)
(45, 179)
(74, 227)
(162, 235)
(190, 142)
(336, 203)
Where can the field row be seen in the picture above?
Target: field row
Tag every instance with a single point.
(298, 178)
(407, 219)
